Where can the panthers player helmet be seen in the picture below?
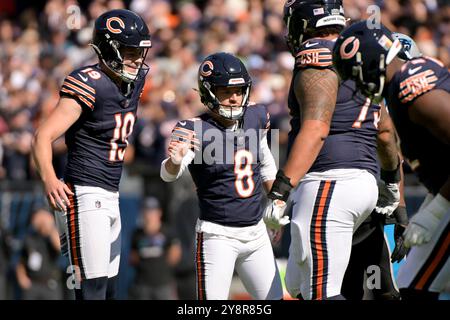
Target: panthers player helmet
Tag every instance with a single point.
(362, 52)
(305, 16)
(410, 49)
(118, 29)
(223, 70)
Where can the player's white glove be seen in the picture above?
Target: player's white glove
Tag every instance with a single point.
(388, 191)
(424, 223)
(274, 214)
(388, 198)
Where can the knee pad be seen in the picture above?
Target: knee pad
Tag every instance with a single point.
(92, 289)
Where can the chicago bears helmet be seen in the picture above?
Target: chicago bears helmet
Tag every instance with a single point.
(223, 70)
(116, 30)
(362, 52)
(305, 16)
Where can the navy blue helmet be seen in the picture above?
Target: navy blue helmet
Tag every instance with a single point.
(115, 31)
(223, 70)
(362, 52)
(305, 16)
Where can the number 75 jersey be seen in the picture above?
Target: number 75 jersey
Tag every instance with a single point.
(97, 141)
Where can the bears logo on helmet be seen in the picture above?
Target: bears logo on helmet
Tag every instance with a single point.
(206, 68)
(112, 29)
(354, 49)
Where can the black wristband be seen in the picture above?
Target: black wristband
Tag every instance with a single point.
(281, 187)
(401, 216)
(391, 176)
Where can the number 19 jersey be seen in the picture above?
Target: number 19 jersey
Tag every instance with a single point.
(97, 141)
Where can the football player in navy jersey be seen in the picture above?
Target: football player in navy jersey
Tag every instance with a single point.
(417, 93)
(332, 158)
(96, 112)
(226, 152)
(370, 247)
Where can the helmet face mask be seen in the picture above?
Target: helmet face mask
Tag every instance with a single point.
(116, 33)
(306, 16)
(223, 70)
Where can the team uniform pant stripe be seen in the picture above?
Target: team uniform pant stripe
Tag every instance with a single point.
(318, 240)
(201, 291)
(74, 238)
(77, 235)
(324, 239)
(434, 263)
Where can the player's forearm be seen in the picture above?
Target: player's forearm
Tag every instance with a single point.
(307, 146)
(388, 152)
(43, 155)
(268, 165)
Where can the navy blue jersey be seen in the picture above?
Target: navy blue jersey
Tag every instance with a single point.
(427, 155)
(351, 142)
(226, 168)
(97, 141)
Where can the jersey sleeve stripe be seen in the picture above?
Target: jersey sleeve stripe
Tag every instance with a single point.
(85, 86)
(184, 130)
(184, 137)
(79, 91)
(72, 93)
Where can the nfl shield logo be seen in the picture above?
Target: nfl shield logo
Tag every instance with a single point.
(98, 204)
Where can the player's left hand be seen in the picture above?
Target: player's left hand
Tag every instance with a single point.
(274, 217)
(401, 222)
(388, 198)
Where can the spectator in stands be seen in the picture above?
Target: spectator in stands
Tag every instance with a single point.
(155, 251)
(38, 272)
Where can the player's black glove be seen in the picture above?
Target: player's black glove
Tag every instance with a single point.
(281, 187)
(274, 212)
(401, 222)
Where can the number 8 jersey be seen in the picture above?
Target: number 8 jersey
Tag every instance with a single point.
(97, 141)
(227, 166)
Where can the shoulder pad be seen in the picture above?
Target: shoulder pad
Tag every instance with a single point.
(80, 85)
(316, 53)
(416, 77)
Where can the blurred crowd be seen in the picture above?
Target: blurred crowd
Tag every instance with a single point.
(40, 46)
(42, 41)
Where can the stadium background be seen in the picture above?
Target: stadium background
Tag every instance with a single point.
(42, 41)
